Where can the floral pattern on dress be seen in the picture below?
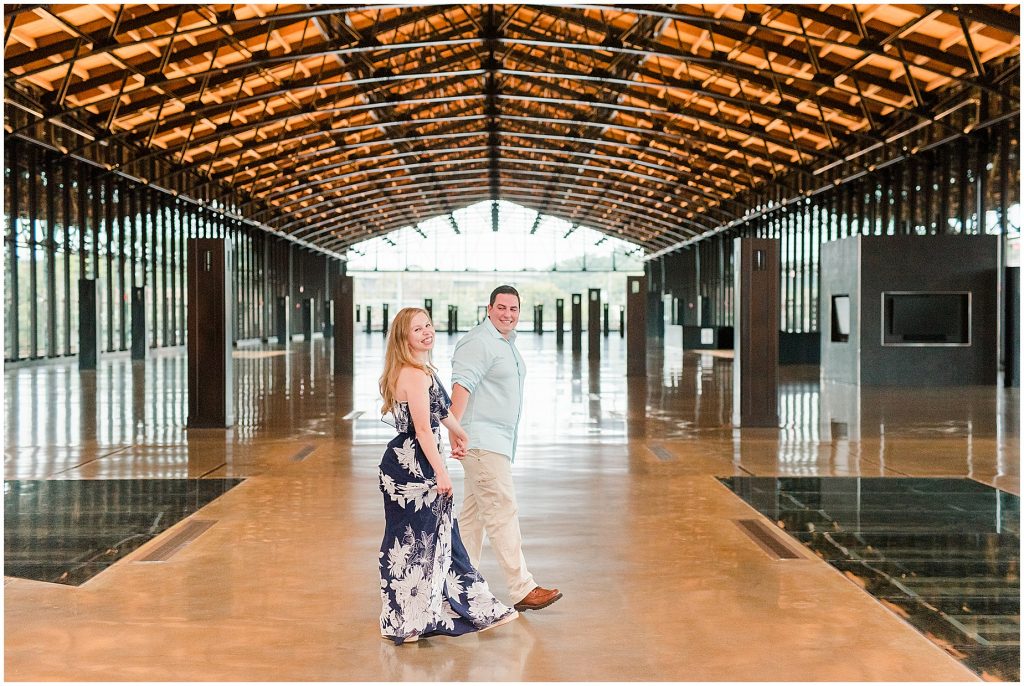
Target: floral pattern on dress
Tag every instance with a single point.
(427, 584)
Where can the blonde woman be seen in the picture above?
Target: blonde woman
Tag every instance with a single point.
(427, 584)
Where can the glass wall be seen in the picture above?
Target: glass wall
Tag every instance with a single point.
(66, 220)
(970, 185)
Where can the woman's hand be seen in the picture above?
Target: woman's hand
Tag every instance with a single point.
(444, 483)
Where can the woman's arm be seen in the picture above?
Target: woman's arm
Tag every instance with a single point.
(415, 386)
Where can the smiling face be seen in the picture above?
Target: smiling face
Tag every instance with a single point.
(504, 313)
(421, 334)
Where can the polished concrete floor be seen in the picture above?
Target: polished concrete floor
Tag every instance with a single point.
(621, 505)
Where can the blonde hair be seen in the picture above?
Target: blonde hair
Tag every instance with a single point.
(398, 355)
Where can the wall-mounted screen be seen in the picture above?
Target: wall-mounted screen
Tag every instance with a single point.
(840, 318)
(926, 318)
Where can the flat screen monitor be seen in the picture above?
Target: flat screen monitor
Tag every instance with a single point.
(841, 318)
(926, 318)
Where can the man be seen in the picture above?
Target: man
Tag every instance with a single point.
(487, 399)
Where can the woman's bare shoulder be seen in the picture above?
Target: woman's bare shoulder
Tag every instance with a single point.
(413, 378)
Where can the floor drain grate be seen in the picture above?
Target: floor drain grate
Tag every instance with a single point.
(661, 453)
(303, 454)
(188, 533)
(766, 537)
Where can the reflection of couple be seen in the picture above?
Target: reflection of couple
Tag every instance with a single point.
(429, 581)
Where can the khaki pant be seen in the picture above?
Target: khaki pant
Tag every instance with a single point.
(490, 505)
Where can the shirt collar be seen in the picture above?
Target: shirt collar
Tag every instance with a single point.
(489, 325)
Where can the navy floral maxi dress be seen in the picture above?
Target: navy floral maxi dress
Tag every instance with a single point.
(427, 584)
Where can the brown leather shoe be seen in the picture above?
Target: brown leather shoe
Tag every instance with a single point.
(538, 598)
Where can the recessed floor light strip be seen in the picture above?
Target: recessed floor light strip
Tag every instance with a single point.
(661, 453)
(303, 454)
(769, 541)
(185, 535)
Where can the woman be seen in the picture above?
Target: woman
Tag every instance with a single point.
(427, 583)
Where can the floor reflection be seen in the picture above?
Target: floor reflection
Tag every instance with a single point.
(67, 532)
(943, 553)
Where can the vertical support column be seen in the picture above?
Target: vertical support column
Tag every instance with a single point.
(428, 305)
(264, 284)
(344, 327)
(88, 325)
(756, 365)
(14, 192)
(604, 318)
(577, 323)
(1011, 332)
(139, 323)
(1009, 292)
(622, 321)
(329, 318)
(384, 319)
(539, 319)
(308, 304)
(636, 313)
(284, 312)
(594, 323)
(369, 318)
(210, 383)
(559, 321)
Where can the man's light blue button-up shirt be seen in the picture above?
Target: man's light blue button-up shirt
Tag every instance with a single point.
(492, 370)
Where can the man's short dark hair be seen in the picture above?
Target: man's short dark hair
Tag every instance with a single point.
(504, 290)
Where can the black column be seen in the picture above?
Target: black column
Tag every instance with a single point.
(344, 327)
(369, 318)
(88, 325)
(384, 319)
(604, 319)
(210, 386)
(428, 305)
(636, 313)
(283, 315)
(622, 321)
(1011, 332)
(307, 319)
(594, 323)
(453, 319)
(559, 321)
(577, 323)
(755, 375)
(138, 323)
(538, 319)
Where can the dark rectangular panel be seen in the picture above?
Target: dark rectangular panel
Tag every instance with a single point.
(636, 337)
(594, 323)
(344, 327)
(138, 323)
(88, 325)
(210, 387)
(559, 321)
(577, 323)
(756, 364)
(307, 318)
(283, 312)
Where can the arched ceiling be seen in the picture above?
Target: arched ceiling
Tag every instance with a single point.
(653, 123)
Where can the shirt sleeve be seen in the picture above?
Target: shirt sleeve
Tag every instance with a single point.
(470, 363)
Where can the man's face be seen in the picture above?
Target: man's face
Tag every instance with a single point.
(504, 313)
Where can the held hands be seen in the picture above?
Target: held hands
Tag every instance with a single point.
(460, 443)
